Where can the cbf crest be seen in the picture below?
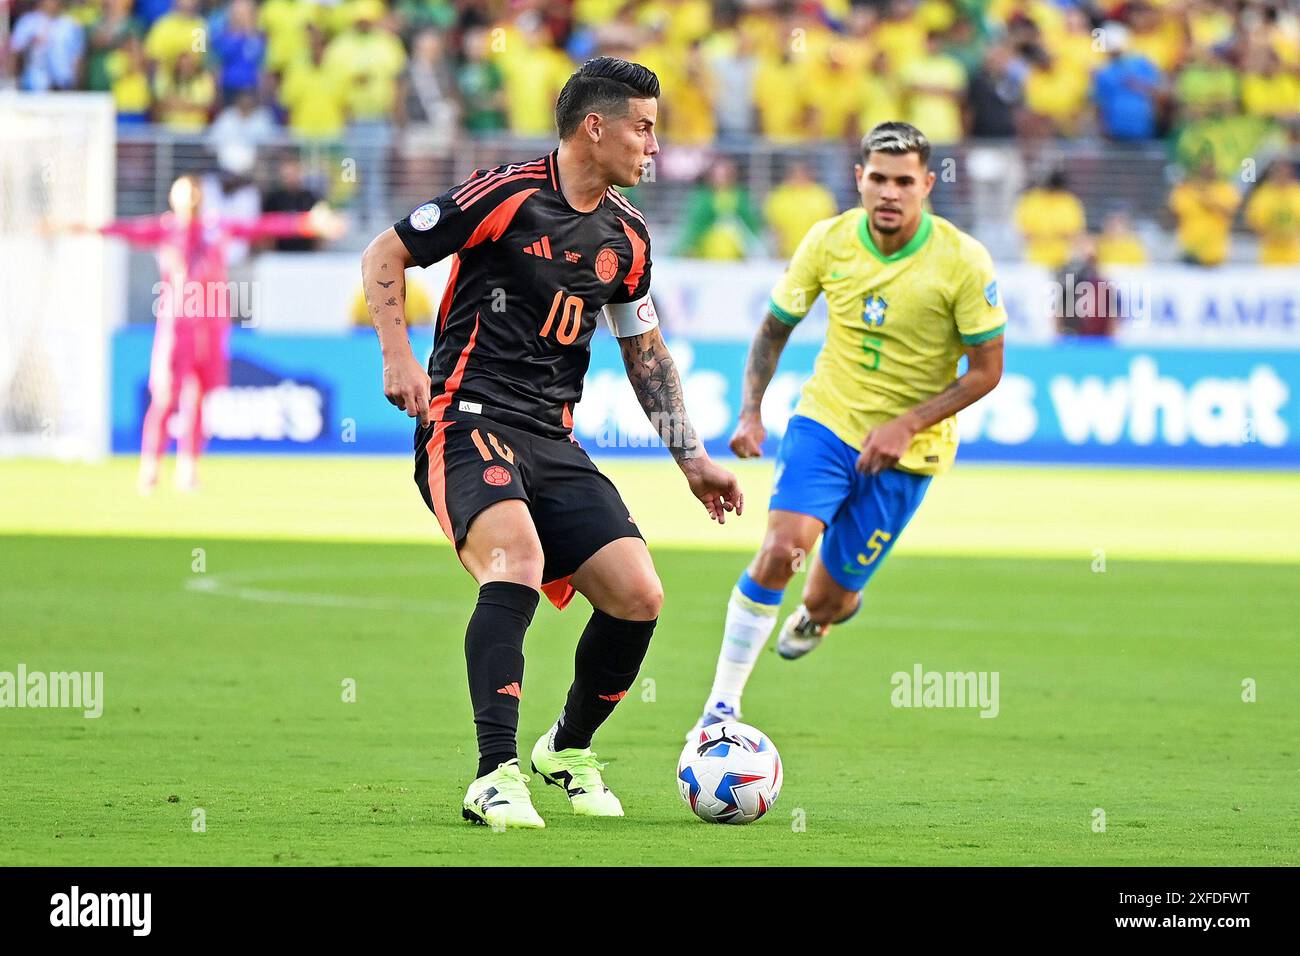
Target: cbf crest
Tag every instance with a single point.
(873, 310)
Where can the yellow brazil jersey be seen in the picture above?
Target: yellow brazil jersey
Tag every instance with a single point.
(792, 210)
(173, 34)
(285, 24)
(1205, 212)
(1273, 212)
(1050, 220)
(898, 326)
(1124, 249)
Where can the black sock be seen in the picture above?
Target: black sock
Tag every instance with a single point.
(494, 655)
(609, 655)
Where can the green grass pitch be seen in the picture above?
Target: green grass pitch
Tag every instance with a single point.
(1120, 691)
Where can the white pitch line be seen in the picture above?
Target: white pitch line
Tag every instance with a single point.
(226, 585)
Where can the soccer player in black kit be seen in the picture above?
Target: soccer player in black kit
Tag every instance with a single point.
(540, 249)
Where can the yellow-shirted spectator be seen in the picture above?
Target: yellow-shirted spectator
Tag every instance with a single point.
(129, 81)
(367, 59)
(1273, 214)
(793, 206)
(1050, 219)
(1208, 23)
(1204, 206)
(900, 35)
(1269, 91)
(346, 14)
(419, 307)
(1043, 14)
(1158, 38)
(1118, 244)
(1056, 91)
(1075, 48)
(534, 73)
(1284, 40)
(933, 87)
(782, 110)
(937, 16)
(185, 95)
(285, 23)
(855, 52)
(764, 31)
(314, 94)
(837, 100)
(683, 22)
(689, 117)
(879, 97)
(180, 31)
(668, 63)
(596, 12)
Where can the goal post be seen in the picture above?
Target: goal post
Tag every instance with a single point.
(59, 296)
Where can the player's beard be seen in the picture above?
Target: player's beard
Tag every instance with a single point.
(888, 229)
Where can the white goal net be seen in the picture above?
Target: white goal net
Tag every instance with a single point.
(57, 295)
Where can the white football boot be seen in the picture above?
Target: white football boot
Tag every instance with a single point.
(799, 635)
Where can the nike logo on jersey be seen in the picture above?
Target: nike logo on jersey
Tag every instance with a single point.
(540, 247)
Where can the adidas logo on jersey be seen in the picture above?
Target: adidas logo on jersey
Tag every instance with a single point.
(540, 247)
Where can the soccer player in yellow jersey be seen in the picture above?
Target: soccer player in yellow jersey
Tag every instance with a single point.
(908, 293)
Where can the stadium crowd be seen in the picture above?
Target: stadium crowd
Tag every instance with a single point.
(1219, 82)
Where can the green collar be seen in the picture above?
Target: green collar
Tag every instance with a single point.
(916, 242)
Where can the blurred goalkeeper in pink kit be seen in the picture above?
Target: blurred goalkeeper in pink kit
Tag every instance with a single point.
(191, 346)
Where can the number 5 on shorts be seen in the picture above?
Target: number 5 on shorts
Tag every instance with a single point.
(876, 545)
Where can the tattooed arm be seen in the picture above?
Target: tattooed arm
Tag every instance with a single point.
(764, 353)
(658, 388)
(383, 278)
(887, 443)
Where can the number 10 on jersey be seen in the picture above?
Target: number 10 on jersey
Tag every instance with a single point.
(569, 308)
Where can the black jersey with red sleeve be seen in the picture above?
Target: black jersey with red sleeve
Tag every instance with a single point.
(529, 277)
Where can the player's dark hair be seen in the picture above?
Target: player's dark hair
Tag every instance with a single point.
(897, 139)
(602, 85)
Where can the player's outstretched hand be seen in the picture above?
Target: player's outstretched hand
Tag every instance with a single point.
(884, 446)
(406, 385)
(747, 440)
(716, 487)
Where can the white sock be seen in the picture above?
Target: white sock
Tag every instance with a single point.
(749, 625)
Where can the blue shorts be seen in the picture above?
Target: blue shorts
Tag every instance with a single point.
(863, 514)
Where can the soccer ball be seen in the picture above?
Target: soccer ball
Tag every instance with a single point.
(729, 773)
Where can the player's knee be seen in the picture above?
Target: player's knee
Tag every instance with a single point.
(643, 602)
(780, 557)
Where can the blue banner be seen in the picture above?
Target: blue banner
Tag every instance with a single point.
(1074, 402)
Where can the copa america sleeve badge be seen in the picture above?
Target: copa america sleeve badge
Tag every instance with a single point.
(426, 217)
(991, 293)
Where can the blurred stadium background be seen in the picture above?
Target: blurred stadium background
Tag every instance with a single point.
(1130, 165)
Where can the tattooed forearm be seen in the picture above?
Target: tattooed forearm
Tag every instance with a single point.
(764, 353)
(658, 388)
(982, 375)
(385, 298)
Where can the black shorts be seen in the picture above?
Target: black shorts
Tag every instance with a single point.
(469, 462)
